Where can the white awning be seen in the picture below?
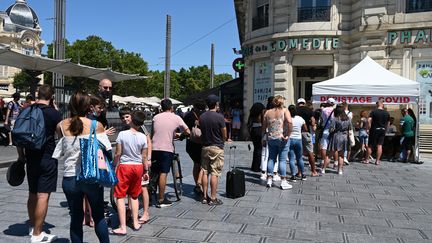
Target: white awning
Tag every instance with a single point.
(64, 67)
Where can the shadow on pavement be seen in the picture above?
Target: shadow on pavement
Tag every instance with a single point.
(22, 229)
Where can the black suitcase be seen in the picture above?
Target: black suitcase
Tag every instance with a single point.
(235, 181)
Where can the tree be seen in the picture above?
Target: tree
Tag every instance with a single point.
(22, 81)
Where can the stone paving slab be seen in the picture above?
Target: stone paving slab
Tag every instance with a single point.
(389, 203)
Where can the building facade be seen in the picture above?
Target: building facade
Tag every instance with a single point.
(20, 31)
(289, 45)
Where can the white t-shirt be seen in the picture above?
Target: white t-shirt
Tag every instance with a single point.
(298, 122)
(132, 143)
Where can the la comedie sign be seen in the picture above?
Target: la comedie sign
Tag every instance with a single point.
(306, 43)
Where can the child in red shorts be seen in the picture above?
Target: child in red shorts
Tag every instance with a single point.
(130, 158)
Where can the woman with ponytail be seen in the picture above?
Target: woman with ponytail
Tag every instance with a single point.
(68, 151)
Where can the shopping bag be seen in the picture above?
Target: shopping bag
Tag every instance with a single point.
(96, 161)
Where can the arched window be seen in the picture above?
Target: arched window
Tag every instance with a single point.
(413, 6)
(313, 10)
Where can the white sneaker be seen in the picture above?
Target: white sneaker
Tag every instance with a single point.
(263, 176)
(346, 161)
(276, 178)
(43, 237)
(31, 230)
(322, 172)
(269, 182)
(340, 172)
(285, 185)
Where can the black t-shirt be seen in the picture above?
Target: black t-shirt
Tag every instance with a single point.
(211, 124)
(380, 118)
(52, 118)
(305, 113)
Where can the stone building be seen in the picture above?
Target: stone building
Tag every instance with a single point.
(289, 45)
(20, 30)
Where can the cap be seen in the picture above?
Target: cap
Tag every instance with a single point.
(15, 174)
(212, 98)
(331, 101)
(301, 100)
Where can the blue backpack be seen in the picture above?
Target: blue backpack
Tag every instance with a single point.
(29, 128)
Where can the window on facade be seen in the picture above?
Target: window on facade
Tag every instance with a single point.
(28, 51)
(313, 10)
(4, 71)
(422, 106)
(261, 18)
(413, 6)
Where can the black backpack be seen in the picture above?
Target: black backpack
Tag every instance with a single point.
(29, 128)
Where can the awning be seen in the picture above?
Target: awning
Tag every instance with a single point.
(64, 67)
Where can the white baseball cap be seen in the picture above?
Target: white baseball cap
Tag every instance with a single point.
(331, 101)
(301, 100)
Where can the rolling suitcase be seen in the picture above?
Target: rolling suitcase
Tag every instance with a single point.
(235, 181)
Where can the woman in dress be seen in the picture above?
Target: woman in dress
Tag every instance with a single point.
(255, 130)
(68, 151)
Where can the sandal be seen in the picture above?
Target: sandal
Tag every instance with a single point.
(215, 202)
(365, 161)
(377, 162)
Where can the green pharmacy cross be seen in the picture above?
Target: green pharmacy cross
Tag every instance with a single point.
(238, 65)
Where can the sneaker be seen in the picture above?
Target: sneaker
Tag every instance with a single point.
(322, 172)
(303, 177)
(269, 182)
(31, 230)
(346, 161)
(215, 202)
(293, 179)
(285, 185)
(165, 203)
(340, 172)
(43, 237)
(276, 178)
(263, 176)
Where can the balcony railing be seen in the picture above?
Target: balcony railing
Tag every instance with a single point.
(415, 6)
(259, 22)
(313, 14)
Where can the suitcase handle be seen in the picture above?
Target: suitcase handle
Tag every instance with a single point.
(232, 147)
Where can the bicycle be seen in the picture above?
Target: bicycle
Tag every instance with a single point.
(153, 183)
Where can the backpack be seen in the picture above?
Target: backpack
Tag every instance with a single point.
(195, 135)
(29, 128)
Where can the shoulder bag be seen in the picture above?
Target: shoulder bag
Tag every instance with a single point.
(96, 161)
(195, 135)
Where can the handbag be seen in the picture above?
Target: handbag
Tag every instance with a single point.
(96, 161)
(195, 135)
(16, 173)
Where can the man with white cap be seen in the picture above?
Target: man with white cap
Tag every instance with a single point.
(327, 117)
(307, 114)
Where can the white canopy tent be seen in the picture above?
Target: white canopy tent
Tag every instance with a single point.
(366, 83)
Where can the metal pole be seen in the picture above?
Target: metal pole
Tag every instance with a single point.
(167, 58)
(212, 67)
(59, 47)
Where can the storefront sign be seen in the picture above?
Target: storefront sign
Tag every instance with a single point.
(263, 87)
(365, 99)
(424, 77)
(409, 37)
(306, 43)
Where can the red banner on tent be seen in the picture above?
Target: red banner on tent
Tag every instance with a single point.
(365, 99)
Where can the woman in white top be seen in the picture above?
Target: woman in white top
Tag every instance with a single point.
(68, 151)
(296, 145)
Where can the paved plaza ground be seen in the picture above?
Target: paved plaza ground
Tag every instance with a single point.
(387, 203)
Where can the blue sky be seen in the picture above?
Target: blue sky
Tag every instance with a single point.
(139, 26)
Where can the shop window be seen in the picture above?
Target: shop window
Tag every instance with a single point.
(413, 6)
(28, 51)
(4, 71)
(261, 18)
(313, 10)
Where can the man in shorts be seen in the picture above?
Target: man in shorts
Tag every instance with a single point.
(213, 137)
(165, 126)
(42, 169)
(307, 114)
(379, 120)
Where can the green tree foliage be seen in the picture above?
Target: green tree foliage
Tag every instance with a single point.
(22, 81)
(96, 52)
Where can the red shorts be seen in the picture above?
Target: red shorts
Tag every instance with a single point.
(129, 177)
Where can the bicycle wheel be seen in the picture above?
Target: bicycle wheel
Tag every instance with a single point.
(177, 177)
(112, 199)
